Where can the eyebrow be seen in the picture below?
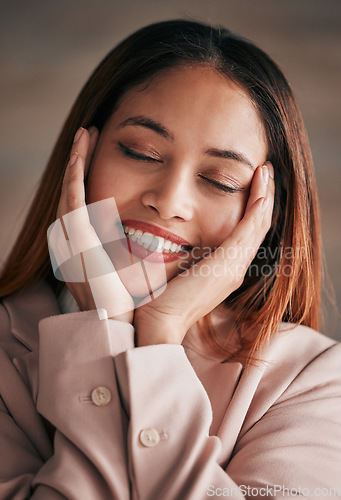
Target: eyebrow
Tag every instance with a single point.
(143, 121)
(230, 155)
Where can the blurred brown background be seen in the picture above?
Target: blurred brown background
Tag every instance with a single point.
(48, 50)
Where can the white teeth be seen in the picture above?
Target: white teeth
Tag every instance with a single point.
(167, 244)
(160, 245)
(155, 244)
(152, 243)
(146, 240)
(174, 247)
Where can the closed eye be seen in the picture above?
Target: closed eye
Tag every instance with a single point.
(222, 187)
(131, 153)
(137, 156)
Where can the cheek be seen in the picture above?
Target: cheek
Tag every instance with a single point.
(221, 225)
(106, 180)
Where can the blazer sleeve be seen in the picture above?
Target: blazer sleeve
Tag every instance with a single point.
(78, 395)
(171, 455)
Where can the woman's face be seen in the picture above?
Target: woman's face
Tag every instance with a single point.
(178, 155)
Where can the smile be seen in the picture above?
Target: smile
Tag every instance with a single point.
(151, 242)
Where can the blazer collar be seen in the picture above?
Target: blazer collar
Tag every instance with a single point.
(26, 308)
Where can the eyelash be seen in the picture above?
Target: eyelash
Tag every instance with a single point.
(219, 185)
(138, 156)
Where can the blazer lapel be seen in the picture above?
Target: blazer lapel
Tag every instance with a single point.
(221, 383)
(26, 309)
(237, 410)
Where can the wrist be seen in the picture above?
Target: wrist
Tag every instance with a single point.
(125, 317)
(153, 333)
(152, 339)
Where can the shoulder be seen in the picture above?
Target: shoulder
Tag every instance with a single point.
(298, 344)
(300, 365)
(297, 384)
(312, 359)
(20, 314)
(295, 347)
(290, 432)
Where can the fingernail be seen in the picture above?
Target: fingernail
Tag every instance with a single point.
(265, 173)
(78, 135)
(73, 159)
(265, 203)
(270, 169)
(91, 130)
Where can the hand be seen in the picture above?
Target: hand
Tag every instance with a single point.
(99, 285)
(193, 294)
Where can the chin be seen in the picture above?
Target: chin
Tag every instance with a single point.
(143, 275)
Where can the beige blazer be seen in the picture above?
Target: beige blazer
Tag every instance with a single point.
(86, 415)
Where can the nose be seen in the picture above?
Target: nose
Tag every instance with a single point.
(171, 196)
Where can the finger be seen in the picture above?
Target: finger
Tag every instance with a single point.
(75, 215)
(79, 249)
(271, 192)
(271, 169)
(251, 230)
(259, 186)
(72, 208)
(271, 185)
(256, 222)
(73, 192)
(263, 192)
(93, 133)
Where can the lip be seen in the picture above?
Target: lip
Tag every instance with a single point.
(157, 231)
(143, 253)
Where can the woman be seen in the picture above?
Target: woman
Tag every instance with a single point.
(181, 210)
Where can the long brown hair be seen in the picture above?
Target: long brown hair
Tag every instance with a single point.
(291, 252)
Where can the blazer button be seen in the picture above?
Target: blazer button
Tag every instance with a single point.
(101, 396)
(149, 437)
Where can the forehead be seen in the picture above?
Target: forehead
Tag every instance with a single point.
(196, 101)
(199, 83)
